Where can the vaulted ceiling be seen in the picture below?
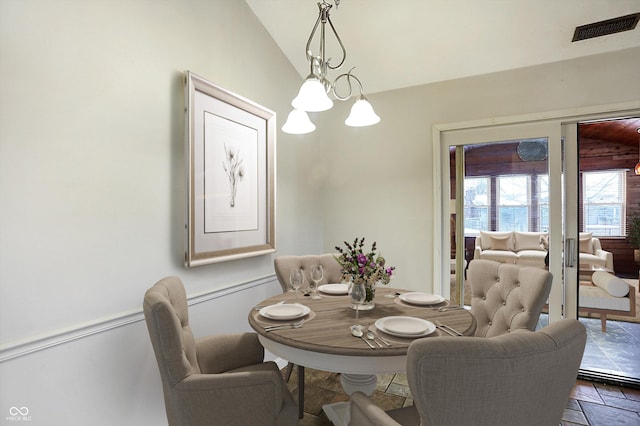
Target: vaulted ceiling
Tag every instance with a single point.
(403, 43)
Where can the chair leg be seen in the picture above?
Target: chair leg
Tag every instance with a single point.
(300, 391)
(603, 322)
(288, 372)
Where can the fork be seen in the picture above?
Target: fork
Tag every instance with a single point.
(381, 339)
(288, 325)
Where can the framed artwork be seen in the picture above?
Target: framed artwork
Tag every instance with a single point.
(230, 153)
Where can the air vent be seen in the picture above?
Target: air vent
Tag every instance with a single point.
(602, 28)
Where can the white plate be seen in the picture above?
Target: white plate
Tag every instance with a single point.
(417, 298)
(405, 326)
(334, 288)
(284, 311)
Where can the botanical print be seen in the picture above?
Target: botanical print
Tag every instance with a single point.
(230, 175)
(234, 170)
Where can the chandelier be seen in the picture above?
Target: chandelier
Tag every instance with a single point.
(313, 95)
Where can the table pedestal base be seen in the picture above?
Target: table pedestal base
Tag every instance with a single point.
(338, 413)
(365, 383)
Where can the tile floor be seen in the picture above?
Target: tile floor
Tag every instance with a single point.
(615, 353)
(591, 404)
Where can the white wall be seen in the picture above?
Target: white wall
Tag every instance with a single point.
(379, 182)
(92, 193)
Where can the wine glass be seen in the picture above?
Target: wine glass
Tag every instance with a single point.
(296, 279)
(358, 294)
(317, 273)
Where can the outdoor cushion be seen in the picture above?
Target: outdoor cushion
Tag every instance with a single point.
(610, 283)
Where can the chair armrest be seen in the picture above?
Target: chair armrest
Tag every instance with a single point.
(220, 353)
(217, 396)
(476, 252)
(364, 412)
(608, 256)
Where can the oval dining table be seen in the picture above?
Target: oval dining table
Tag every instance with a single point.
(324, 341)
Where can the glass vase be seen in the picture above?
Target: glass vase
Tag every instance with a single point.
(368, 302)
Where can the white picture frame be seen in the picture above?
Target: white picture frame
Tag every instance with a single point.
(230, 154)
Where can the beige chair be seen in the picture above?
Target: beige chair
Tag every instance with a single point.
(521, 378)
(283, 266)
(506, 297)
(213, 380)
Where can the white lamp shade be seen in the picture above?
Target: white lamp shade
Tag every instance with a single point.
(362, 114)
(298, 123)
(312, 96)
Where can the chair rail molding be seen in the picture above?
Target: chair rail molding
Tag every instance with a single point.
(54, 338)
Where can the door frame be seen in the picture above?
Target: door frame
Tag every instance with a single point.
(440, 162)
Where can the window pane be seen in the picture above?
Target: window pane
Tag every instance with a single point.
(603, 219)
(476, 219)
(513, 203)
(604, 195)
(602, 187)
(514, 190)
(514, 219)
(476, 205)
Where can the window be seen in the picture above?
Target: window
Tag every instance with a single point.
(477, 196)
(604, 195)
(513, 203)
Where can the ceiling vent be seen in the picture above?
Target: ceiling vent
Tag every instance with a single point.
(602, 28)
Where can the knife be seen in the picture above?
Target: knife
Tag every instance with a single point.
(448, 329)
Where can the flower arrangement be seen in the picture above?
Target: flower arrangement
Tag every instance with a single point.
(361, 267)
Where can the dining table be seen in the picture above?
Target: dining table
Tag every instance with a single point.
(316, 333)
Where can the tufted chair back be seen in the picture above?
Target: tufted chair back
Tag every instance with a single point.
(522, 379)
(167, 317)
(506, 297)
(284, 264)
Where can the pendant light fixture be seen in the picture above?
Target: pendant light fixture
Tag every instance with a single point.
(313, 95)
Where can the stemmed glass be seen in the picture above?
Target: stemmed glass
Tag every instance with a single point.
(296, 279)
(358, 294)
(317, 272)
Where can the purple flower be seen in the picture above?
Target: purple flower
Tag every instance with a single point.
(358, 265)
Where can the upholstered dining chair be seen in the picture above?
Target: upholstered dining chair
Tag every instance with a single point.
(283, 266)
(521, 378)
(506, 297)
(212, 380)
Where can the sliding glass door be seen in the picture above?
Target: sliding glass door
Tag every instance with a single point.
(550, 177)
(506, 180)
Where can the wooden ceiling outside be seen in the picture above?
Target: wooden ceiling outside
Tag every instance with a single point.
(622, 131)
(603, 145)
